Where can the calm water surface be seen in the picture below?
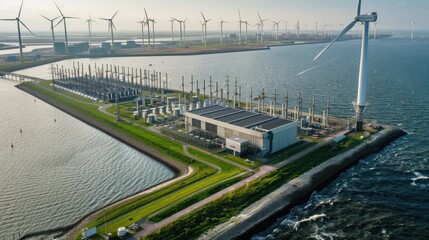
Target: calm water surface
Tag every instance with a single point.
(386, 194)
(59, 171)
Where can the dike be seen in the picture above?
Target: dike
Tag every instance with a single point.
(265, 211)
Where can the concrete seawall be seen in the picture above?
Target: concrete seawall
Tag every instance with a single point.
(292, 193)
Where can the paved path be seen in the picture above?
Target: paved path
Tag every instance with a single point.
(308, 150)
(151, 226)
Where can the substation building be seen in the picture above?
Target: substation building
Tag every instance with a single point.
(243, 130)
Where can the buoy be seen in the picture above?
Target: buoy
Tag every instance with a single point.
(20, 130)
(11, 145)
(55, 120)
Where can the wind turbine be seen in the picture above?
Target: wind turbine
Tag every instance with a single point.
(297, 29)
(413, 27)
(90, 21)
(276, 28)
(315, 33)
(19, 22)
(111, 26)
(148, 28)
(52, 28)
(205, 28)
(246, 24)
(221, 30)
(142, 23)
(181, 34)
(184, 30)
(360, 104)
(261, 22)
(239, 26)
(63, 19)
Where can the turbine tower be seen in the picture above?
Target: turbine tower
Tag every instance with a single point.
(239, 26)
(19, 22)
(52, 28)
(246, 24)
(261, 25)
(90, 21)
(180, 27)
(205, 28)
(413, 27)
(148, 20)
(111, 26)
(276, 28)
(63, 19)
(297, 29)
(143, 24)
(221, 30)
(360, 103)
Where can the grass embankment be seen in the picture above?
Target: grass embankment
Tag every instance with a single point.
(222, 209)
(203, 178)
(15, 66)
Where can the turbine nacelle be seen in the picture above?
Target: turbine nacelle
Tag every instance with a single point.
(367, 17)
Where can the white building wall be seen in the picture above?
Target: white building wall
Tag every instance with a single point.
(283, 136)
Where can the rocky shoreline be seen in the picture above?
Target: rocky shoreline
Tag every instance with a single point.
(265, 210)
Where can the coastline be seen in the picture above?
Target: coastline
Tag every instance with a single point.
(180, 170)
(267, 209)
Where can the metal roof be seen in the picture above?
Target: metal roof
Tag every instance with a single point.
(240, 117)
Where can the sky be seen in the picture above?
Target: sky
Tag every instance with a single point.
(393, 14)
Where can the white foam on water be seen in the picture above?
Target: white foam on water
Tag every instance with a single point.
(309, 219)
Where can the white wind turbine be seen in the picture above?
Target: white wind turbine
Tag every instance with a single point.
(52, 28)
(297, 29)
(90, 21)
(413, 27)
(221, 30)
(276, 28)
(19, 22)
(261, 24)
(63, 19)
(246, 24)
(148, 21)
(360, 104)
(205, 28)
(180, 28)
(111, 27)
(239, 26)
(143, 24)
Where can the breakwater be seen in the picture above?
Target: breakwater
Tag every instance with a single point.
(265, 210)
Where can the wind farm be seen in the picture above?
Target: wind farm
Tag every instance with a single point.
(226, 121)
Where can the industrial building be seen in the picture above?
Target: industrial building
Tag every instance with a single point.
(244, 129)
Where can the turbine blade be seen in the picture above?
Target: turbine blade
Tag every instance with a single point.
(146, 13)
(239, 15)
(113, 25)
(115, 14)
(8, 19)
(55, 18)
(260, 19)
(46, 18)
(358, 8)
(26, 28)
(342, 33)
(59, 9)
(59, 22)
(105, 19)
(20, 9)
(203, 16)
